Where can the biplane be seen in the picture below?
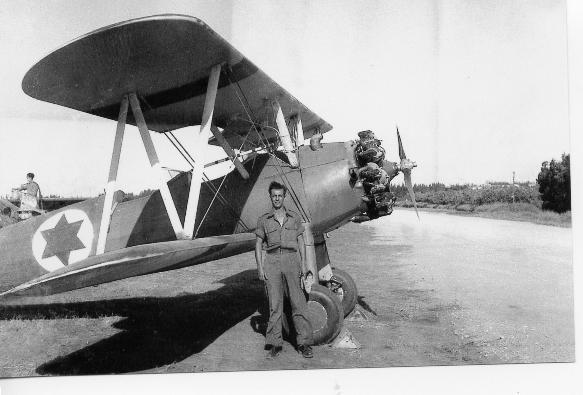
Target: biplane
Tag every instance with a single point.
(160, 74)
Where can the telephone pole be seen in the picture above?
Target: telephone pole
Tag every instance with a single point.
(513, 186)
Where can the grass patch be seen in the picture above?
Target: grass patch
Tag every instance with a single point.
(508, 211)
(524, 212)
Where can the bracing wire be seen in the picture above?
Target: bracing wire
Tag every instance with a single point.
(293, 194)
(247, 108)
(208, 209)
(178, 149)
(263, 139)
(207, 181)
(214, 190)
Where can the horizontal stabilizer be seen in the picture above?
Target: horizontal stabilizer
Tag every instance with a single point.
(135, 261)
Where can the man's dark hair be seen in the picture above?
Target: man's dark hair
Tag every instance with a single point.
(31, 175)
(277, 185)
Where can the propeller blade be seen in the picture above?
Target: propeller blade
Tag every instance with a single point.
(409, 185)
(406, 166)
(401, 150)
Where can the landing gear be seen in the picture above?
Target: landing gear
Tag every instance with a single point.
(333, 296)
(329, 301)
(338, 281)
(325, 314)
(344, 288)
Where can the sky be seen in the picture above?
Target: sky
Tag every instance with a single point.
(70, 151)
(479, 89)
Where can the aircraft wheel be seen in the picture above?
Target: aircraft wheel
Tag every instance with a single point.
(347, 292)
(325, 314)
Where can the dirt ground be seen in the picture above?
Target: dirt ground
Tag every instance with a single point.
(444, 291)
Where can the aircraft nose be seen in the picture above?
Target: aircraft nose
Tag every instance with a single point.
(331, 185)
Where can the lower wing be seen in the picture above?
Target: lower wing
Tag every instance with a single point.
(135, 261)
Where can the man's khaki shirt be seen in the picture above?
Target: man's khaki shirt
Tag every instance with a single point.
(275, 235)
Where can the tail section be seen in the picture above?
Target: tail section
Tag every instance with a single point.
(49, 242)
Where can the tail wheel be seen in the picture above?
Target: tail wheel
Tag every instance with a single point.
(344, 289)
(325, 314)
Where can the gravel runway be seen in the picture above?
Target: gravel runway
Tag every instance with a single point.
(446, 290)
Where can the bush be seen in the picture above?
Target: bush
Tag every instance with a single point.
(554, 182)
(458, 195)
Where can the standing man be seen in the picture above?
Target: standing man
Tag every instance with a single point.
(281, 231)
(31, 195)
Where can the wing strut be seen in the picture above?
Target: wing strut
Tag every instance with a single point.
(288, 147)
(296, 130)
(112, 179)
(229, 151)
(299, 131)
(155, 163)
(203, 136)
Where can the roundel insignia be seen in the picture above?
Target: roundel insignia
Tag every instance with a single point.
(63, 239)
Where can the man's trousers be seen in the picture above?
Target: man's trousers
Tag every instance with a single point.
(282, 272)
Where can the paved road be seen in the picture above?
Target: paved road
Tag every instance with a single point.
(448, 290)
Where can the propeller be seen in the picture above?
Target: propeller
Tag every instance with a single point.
(406, 167)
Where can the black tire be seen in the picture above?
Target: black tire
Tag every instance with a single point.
(325, 314)
(347, 293)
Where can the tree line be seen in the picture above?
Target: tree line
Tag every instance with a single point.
(552, 190)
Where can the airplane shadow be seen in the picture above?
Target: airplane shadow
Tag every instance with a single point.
(155, 331)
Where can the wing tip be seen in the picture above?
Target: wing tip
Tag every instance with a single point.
(28, 81)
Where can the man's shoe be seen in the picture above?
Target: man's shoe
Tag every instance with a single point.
(305, 350)
(268, 347)
(274, 352)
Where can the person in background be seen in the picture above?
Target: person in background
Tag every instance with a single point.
(31, 195)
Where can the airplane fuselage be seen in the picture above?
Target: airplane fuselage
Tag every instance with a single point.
(321, 190)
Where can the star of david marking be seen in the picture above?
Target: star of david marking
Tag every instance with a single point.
(62, 239)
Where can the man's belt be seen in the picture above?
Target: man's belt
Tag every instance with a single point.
(280, 250)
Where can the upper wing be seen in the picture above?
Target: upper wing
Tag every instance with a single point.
(166, 61)
(135, 261)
